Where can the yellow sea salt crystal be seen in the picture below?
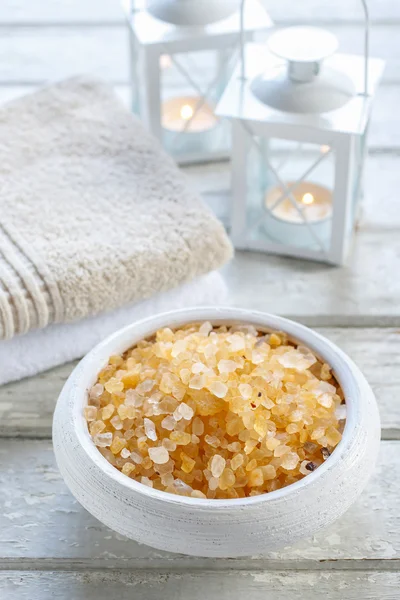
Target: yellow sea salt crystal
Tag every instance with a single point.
(261, 425)
(237, 461)
(114, 385)
(96, 427)
(159, 455)
(227, 479)
(289, 461)
(90, 413)
(187, 463)
(269, 472)
(128, 468)
(107, 412)
(256, 478)
(117, 444)
(218, 388)
(217, 465)
(181, 438)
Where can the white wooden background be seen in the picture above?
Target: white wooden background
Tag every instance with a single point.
(49, 546)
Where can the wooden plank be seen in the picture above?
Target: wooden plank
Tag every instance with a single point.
(364, 293)
(20, 12)
(44, 528)
(257, 585)
(26, 407)
(109, 11)
(313, 12)
(36, 55)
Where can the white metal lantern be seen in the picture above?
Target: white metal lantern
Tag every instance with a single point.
(300, 116)
(182, 56)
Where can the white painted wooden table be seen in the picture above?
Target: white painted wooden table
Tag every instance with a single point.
(49, 546)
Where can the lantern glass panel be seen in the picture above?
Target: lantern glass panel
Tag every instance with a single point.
(191, 86)
(290, 188)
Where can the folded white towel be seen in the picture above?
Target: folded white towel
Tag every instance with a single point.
(39, 350)
(93, 214)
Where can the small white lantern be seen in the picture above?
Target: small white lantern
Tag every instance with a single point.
(182, 55)
(300, 116)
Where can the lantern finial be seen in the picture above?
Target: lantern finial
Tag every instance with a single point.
(301, 84)
(366, 43)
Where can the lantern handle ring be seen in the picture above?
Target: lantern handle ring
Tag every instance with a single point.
(366, 43)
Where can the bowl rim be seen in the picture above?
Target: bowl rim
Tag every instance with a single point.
(341, 364)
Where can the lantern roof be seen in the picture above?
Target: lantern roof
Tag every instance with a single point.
(241, 101)
(168, 37)
(191, 12)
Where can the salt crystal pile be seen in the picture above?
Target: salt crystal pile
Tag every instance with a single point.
(216, 412)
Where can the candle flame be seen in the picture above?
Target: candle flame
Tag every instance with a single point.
(165, 61)
(186, 112)
(307, 198)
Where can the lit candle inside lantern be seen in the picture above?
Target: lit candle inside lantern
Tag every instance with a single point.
(188, 114)
(307, 198)
(189, 124)
(286, 220)
(165, 61)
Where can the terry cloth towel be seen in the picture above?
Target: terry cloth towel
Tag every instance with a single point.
(37, 351)
(93, 214)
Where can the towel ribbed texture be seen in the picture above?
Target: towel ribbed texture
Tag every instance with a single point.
(42, 349)
(93, 214)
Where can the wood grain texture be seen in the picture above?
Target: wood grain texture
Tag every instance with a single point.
(147, 585)
(26, 407)
(43, 527)
(20, 12)
(109, 11)
(37, 55)
(327, 12)
(363, 293)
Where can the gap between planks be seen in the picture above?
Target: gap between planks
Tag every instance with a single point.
(221, 565)
(278, 585)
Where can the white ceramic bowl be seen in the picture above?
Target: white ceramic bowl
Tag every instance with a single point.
(225, 528)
